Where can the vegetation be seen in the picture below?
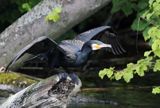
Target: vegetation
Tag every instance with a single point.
(17, 80)
(147, 22)
(13, 9)
(55, 14)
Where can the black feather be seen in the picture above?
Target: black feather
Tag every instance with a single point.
(69, 52)
(40, 45)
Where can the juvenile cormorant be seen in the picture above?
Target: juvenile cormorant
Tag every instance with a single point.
(71, 53)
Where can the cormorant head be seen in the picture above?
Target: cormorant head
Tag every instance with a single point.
(96, 45)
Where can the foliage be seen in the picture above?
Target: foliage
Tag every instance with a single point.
(156, 90)
(147, 22)
(55, 14)
(16, 79)
(128, 73)
(12, 9)
(26, 5)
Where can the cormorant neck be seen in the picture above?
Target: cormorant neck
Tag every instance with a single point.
(86, 49)
(83, 54)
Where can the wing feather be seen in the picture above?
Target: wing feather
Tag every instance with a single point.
(71, 46)
(40, 45)
(100, 33)
(92, 34)
(111, 38)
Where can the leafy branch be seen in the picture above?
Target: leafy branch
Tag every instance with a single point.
(147, 22)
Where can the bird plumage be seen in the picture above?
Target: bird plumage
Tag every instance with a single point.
(70, 53)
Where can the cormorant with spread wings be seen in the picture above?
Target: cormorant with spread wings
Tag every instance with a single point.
(71, 53)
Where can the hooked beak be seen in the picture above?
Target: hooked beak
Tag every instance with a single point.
(97, 46)
(105, 45)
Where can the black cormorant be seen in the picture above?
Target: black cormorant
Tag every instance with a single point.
(71, 53)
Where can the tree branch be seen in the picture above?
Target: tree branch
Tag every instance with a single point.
(33, 25)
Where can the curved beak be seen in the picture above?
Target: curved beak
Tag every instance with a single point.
(105, 45)
(97, 46)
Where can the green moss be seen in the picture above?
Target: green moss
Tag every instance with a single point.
(17, 79)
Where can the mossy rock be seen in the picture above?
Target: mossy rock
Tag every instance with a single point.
(17, 79)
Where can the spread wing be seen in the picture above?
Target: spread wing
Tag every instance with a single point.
(71, 46)
(111, 38)
(38, 46)
(104, 33)
(92, 34)
(77, 43)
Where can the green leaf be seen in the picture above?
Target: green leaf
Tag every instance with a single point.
(118, 75)
(127, 76)
(127, 9)
(58, 9)
(130, 66)
(142, 4)
(117, 5)
(156, 90)
(26, 7)
(55, 14)
(102, 73)
(140, 69)
(154, 32)
(157, 66)
(147, 53)
(142, 65)
(145, 34)
(156, 47)
(151, 2)
(108, 72)
(139, 25)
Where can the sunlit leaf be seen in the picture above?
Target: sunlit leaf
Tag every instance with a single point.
(127, 76)
(107, 72)
(145, 34)
(147, 53)
(157, 66)
(58, 9)
(55, 14)
(140, 70)
(118, 75)
(102, 73)
(156, 47)
(156, 90)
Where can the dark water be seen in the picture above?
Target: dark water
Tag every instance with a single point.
(120, 98)
(114, 98)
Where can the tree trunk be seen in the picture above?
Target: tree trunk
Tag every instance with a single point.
(33, 25)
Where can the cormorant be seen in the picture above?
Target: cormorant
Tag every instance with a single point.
(71, 53)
